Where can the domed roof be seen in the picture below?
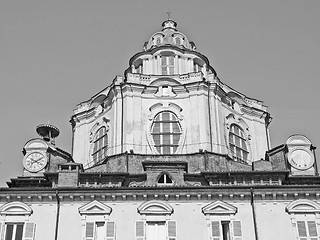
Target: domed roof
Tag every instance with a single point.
(169, 35)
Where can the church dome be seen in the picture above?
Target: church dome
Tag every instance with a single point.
(169, 35)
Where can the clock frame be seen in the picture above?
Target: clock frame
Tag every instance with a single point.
(35, 161)
(301, 158)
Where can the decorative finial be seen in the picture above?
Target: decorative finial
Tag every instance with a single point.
(168, 13)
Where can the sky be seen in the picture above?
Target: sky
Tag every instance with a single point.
(56, 54)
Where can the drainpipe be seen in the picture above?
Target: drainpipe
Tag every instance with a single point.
(254, 215)
(313, 148)
(268, 120)
(122, 111)
(57, 216)
(209, 110)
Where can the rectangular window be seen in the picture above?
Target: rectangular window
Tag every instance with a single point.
(167, 65)
(100, 231)
(153, 230)
(18, 231)
(226, 230)
(307, 230)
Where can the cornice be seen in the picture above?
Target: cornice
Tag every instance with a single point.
(199, 194)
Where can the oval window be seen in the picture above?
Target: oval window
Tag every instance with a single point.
(166, 132)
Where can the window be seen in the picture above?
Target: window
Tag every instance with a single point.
(197, 68)
(166, 132)
(100, 145)
(14, 231)
(95, 214)
(139, 69)
(16, 225)
(167, 65)
(307, 230)
(303, 215)
(18, 231)
(157, 224)
(165, 180)
(220, 225)
(158, 41)
(178, 41)
(222, 230)
(237, 143)
(100, 231)
(156, 230)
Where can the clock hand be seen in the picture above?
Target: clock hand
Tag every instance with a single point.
(37, 160)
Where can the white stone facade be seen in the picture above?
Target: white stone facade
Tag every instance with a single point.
(169, 75)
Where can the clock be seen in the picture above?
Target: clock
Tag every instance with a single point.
(35, 161)
(301, 159)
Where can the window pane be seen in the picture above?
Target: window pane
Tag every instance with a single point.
(100, 231)
(168, 179)
(19, 232)
(176, 139)
(166, 150)
(245, 156)
(165, 116)
(171, 60)
(238, 152)
(312, 227)
(174, 149)
(161, 179)
(166, 139)
(166, 128)
(156, 139)
(163, 60)
(156, 128)
(9, 232)
(237, 141)
(231, 139)
(302, 229)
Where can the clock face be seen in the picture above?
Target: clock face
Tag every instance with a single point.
(35, 161)
(300, 159)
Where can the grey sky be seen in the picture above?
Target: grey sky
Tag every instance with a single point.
(55, 54)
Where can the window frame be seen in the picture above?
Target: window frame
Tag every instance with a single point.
(102, 122)
(242, 147)
(160, 107)
(17, 213)
(101, 141)
(96, 212)
(165, 183)
(214, 215)
(236, 120)
(167, 65)
(152, 212)
(163, 147)
(304, 210)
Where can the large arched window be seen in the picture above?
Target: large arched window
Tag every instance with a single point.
(166, 132)
(100, 145)
(237, 144)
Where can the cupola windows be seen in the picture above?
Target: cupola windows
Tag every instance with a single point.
(237, 144)
(167, 65)
(100, 145)
(178, 41)
(166, 132)
(158, 41)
